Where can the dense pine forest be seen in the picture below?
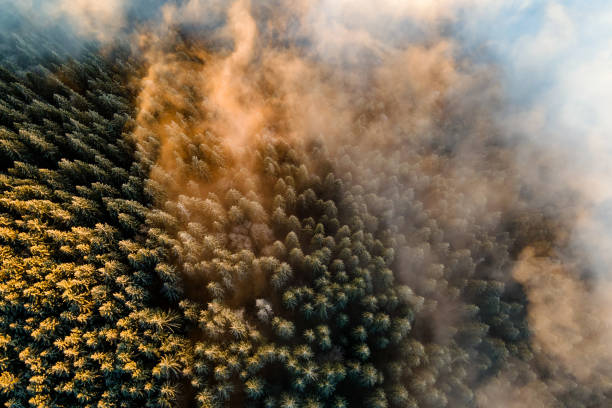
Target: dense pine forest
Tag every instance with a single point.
(146, 262)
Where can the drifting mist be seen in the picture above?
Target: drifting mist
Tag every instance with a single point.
(464, 142)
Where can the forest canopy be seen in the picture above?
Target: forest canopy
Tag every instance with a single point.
(210, 212)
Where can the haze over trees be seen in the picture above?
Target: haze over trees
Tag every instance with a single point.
(144, 263)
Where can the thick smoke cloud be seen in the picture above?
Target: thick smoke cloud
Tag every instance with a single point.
(555, 62)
